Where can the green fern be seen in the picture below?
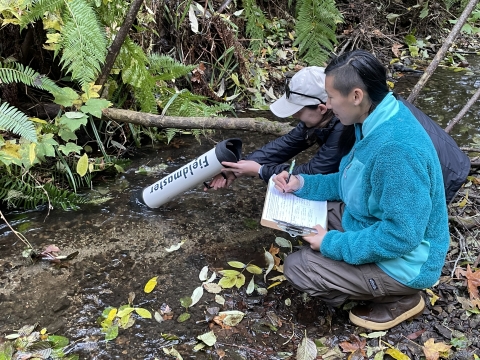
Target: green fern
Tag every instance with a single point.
(187, 104)
(17, 73)
(256, 21)
(166, 68)
(315, 30)
(24, 193)
(83, 44)
(12, 119)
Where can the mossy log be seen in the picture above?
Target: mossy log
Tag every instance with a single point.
(261, 125)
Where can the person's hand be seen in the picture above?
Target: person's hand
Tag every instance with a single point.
(315, 240)
(220, 181)
(282, 185)
(242, 168)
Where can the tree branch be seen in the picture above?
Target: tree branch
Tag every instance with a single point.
(114, 49)
(261, 125)
(441, 53)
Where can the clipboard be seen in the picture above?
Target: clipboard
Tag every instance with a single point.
(289, 213)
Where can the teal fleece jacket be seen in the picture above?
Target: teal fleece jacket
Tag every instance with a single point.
(391, 183)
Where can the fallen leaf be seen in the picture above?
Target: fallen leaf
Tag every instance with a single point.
(307, 350)
(274, 251)
(197, 295)
(150, 285)
(174, 247)
(208, 338)
(396, 49)
(473, 282)
(353, 345)
(396, 354)
(416, 334)
(433, 350)
(433, 297)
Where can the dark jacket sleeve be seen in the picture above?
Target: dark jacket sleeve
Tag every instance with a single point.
(454, 162)
(275, 155)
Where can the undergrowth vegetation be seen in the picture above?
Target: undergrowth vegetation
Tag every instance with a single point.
(177, 59)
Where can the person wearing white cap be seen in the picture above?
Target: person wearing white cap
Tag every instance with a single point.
(304, 99)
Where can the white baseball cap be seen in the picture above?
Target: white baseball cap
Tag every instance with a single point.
(306, 87)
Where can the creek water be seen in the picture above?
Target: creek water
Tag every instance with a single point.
(122, 244)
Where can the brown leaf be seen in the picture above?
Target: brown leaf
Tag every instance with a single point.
(396, 49)
(274, 251)
(473, 282)
(416, 334)
(355, 345)
(432, 350)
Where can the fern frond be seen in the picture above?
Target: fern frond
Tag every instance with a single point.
(145, 97)
(187, 104)
(133, 62)
(315, 30)
(17, 73)
(84, 46)
(256, 21)
(38, 9)
(23, 192)
(12, 119)
(166, 68)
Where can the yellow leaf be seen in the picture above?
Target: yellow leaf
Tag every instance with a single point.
(462, 203)
(433, 297)
(51, 24)
(82, 165)
(144, 313)
(37, 120)
(254, 269)
(227, 282)
(111, 314)
(235, 79)
(396, 354)
(240, 281)
(150, 285)
(236, 264)
(53, 38)
(274, 284)
(11, 149)
(229, 273)
(43, 331)
(433, 350)
(31, 153)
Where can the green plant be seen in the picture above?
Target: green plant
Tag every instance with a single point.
(29, 344)
(315, 29)
(76, 34)
(256, 21)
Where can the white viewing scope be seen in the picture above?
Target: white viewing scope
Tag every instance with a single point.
(195, 172)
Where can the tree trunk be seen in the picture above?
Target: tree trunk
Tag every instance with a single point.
(261, 125)
(441, 53)
(114, 49)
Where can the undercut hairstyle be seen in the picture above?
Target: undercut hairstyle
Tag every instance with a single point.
(359, 69)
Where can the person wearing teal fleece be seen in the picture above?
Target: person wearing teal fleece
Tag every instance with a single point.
(393, 235)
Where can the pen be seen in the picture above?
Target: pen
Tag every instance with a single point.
(290, 170)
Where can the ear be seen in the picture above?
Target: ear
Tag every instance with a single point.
(357, 96)
(323, 108)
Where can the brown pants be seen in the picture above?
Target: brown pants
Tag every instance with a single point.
(336, 281)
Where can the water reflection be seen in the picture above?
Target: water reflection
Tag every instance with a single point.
(445, 94)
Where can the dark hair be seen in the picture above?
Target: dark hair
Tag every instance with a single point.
(361, 69)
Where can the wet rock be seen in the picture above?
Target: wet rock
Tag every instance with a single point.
(473, 322)
(61, 304)
(446, 333)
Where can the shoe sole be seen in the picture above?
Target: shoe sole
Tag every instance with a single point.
(410, 314)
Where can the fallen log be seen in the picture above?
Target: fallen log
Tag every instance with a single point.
(259, 124)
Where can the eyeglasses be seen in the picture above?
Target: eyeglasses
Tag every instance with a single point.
(288, 92)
